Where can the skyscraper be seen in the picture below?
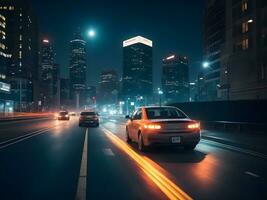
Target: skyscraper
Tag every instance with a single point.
(175, 78)
(22, 43)
(77, 67)
(47, 76)
(108, 87)
(214, 38)
(4, 85)
(244, 61)
(137, 68)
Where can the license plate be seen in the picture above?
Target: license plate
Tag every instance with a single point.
(176, 139)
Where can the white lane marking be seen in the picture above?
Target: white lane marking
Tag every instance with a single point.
(22, 136)
(108, 152)
(81, 189)
(25, 138)
(252, 174)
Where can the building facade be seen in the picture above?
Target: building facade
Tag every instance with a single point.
(22, 46)
(48, 75)
(244, 63)
(77, 67)
(137, 68)
(175, 79)
(214, 39)
(108, 87)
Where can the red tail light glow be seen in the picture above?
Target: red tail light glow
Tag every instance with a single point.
(152, 126)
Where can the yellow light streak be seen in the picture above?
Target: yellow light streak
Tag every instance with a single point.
(170, 189)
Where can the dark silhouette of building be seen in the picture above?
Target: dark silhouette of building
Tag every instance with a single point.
(244, 60)
(48, 75)
(108, 87)
(22, 42)
(214, 38)
(64, 93)
(137, 68)
(175, 79)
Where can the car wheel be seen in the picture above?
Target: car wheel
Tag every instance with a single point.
(141, 146)
(97, 125)
(190, 147)
(128, 139)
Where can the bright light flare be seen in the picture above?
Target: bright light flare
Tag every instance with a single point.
(205, 64)
(91, 33)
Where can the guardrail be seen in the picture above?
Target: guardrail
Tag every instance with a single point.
(236, 126)
(24, 116)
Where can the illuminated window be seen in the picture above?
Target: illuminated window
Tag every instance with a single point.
(244, 27)
(245, 44)
(20, 46)
(244, 5)
(20, 37)
(20, 55)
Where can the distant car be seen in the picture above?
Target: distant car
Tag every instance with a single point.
(162, 126)
(63, 115)
(89, 118)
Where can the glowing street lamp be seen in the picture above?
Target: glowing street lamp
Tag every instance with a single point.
(205, 64)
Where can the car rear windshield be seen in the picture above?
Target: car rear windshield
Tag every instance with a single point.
(88, 113)
(164, 113)
(63, 113)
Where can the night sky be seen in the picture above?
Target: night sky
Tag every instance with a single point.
(174, 26)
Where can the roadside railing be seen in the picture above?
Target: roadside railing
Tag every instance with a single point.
(235, 126)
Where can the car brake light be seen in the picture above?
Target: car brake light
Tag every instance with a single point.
(152, 126)
(193, 126)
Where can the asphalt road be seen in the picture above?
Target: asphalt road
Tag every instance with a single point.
(50, 159)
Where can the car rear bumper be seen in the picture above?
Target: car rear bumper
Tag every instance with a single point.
(89, 122)
(181, 139)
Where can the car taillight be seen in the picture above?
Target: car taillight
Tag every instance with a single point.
(152, 126)
(193, 126)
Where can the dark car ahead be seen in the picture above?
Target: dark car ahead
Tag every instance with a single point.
(89, 118)
(63, 115)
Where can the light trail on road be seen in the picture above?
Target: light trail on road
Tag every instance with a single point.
(170, 189)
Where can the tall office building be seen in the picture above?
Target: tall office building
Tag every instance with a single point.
(175, 79)
(137, 68)
(4, 56)
(244, 62)
(47, 75)
(77, 67)
(214, 39)
(108, 87)
(22, 43)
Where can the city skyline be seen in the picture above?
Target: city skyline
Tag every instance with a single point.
(111, 30)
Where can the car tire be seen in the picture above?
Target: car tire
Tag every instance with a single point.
(141, 146)
(190, 147)
(128, 139)
(97, 125)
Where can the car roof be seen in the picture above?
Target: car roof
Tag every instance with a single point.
(159, 107)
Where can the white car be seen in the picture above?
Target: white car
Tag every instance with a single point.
(162, 125)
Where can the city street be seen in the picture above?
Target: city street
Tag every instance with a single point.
(51, 159)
